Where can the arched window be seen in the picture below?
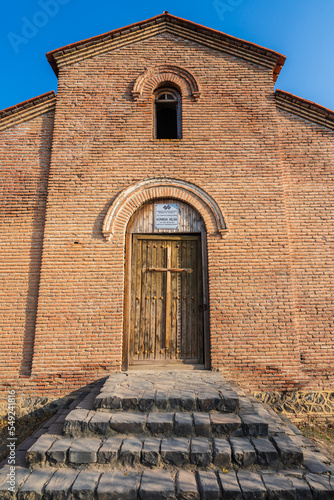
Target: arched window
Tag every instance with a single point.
(167, 106)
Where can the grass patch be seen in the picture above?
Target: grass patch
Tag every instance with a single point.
(321, 435)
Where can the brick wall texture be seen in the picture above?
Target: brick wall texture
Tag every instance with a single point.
(269, 171)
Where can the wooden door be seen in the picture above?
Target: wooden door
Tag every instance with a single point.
(166, 310)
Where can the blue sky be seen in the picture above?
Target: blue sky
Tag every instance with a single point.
(300, 29)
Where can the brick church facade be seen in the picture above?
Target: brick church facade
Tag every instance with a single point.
(238, 277)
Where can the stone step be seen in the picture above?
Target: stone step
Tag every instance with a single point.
(173, 451)
(81, 422)
(159, 484)
(208, 399)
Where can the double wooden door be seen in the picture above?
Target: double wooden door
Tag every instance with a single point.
(166, 310)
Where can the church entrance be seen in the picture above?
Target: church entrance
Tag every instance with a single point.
(166, 293)
(166, 320)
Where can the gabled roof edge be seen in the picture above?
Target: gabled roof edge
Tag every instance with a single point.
(27, 110)
(165, 17)
(306, 109)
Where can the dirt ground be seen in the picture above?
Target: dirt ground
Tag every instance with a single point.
(321, 435)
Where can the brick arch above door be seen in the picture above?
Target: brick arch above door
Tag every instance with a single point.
(132, 198)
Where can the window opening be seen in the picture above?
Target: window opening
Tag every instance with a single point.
(168, 115)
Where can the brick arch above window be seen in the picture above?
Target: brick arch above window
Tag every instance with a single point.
(154, 78)
(132, 198)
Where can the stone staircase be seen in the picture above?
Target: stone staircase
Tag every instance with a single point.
(170, 435)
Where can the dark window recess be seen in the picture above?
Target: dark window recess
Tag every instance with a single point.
(167, 112)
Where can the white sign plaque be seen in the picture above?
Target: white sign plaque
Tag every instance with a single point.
(166, 216)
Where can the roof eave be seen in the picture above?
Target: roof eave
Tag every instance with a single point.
(165, 17)
(308, 110)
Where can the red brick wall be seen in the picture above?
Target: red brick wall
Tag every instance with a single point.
(102, 143)
(24, 156)
(308, 160)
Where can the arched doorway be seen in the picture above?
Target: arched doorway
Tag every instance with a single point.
(166, 292)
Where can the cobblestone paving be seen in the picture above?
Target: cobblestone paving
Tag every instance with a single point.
(169, 435)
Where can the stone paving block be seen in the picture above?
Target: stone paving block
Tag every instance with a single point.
(108, 453)
(254, 425)
(118, 485)
(175, 451)
(129, 400)
(188, 400)
(150, 454)
(27, 443)
(87, 403)
(230, 486)
(266, 451)
(59, 451)
(222, 452)
(183, 424)
(10, 478)
(63, 415)
(117, 378)
(251, 485)
(59, 486)
(186, 486)
(130, 452)
(141, 385)
(208, 401)
(291, 455)
(147, 401)
(302, 489)
(230, 400)
(75, 422)
(106, 400)
(156, 485)
(278, 487)
(114, 400)
(202, 424)
(85, 485)
(161, 399)
(37, 453)
(127, 423)
(200, 452)
(208, 485)
(55, 429)
(160, 423)
(33, 487)
(312, 463)
(320, 486)
(224, 423)
(243, 451)
(84, 451)
(174, 399)
(99, 423)
(21, 458)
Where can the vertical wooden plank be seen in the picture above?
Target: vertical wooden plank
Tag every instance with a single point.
(173, 312)
(168, 296)
(189, 301)
(158, 308)
(152, 347)
(183, 298)
(178, 302)
(163, 294)
(143, 324)
(196, 257)
(137, 295)
(149, 294)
